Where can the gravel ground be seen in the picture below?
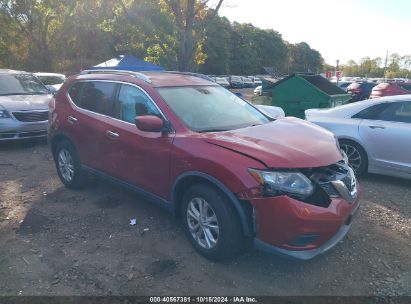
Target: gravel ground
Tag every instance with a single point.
(55, 241)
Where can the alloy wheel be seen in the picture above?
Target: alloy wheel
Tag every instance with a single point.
(66, 165)
(353, 155)
(202, 223)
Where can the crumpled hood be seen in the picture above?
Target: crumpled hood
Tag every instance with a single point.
(25, 102)
(284, 143)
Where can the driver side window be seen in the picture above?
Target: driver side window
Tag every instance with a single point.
(133, 102)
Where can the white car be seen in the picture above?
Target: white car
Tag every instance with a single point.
(52, 81)
(273, 112)
(258, 91)
(375, 134)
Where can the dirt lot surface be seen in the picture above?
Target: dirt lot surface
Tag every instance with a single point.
(55, 241)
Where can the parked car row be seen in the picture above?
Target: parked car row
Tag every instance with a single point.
(361, 90)
(237, 82)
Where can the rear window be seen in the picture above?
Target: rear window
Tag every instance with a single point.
(51, 80)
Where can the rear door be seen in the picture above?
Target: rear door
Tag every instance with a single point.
(137, 157)
(87, 123)
(387, 136)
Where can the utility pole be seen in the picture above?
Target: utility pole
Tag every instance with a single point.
(337, 68)
(385, 66)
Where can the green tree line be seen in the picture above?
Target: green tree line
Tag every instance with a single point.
(394, 66)
(187, 35)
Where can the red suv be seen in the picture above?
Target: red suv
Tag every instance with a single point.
(390, 89)
(229, 171)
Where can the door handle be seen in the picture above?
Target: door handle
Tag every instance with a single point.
(71, 119)
(376, 127)
(112, 134)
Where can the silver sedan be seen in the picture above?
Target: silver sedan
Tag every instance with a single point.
(23, 106)
(375, 134)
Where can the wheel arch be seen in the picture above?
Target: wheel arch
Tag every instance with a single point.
(56, 139)
(188, 179)
(354, 140)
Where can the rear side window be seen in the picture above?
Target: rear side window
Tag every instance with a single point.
(397, 111)
(75, 91)
(133, 102)
(371, 112)
(97, 96)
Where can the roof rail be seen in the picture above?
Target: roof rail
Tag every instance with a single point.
(121, 72)
(190, 74)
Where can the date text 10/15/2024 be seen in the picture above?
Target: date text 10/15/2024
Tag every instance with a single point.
(203, 299)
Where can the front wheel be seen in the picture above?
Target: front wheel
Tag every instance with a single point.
(68, 166)
(357, 157)
(211, 223)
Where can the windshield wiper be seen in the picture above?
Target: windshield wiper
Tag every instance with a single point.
(212, 130)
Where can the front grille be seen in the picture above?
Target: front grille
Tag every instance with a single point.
(31, 116)
(7, 135)
(323, 179)
(41, 133)
(329, 189)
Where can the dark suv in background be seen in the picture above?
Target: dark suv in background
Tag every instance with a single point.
(229, 171)
(360, 90)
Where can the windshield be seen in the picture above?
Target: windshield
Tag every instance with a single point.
(211, 108)
(21, 84)
(51, 80)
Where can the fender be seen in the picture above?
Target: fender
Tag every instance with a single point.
(232, 198)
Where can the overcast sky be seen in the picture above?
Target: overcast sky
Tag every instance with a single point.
(339, 29)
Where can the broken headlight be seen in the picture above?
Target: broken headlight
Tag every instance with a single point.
(292, 183)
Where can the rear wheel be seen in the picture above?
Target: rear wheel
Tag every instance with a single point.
(357, 157)
(68, 166)
(210, 222)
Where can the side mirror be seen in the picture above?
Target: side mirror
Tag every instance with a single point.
(149, 123)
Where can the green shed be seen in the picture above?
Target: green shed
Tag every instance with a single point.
(299, 92)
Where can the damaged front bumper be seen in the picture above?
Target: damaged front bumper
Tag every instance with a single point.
(305, 229)
(310, 251)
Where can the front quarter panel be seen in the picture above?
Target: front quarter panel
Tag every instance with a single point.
(343, 128)
(230, 168)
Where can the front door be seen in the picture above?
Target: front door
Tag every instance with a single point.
(388, 136)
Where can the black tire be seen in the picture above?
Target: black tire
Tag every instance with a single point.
(229, 240)
(79, 177)
(355, 151)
